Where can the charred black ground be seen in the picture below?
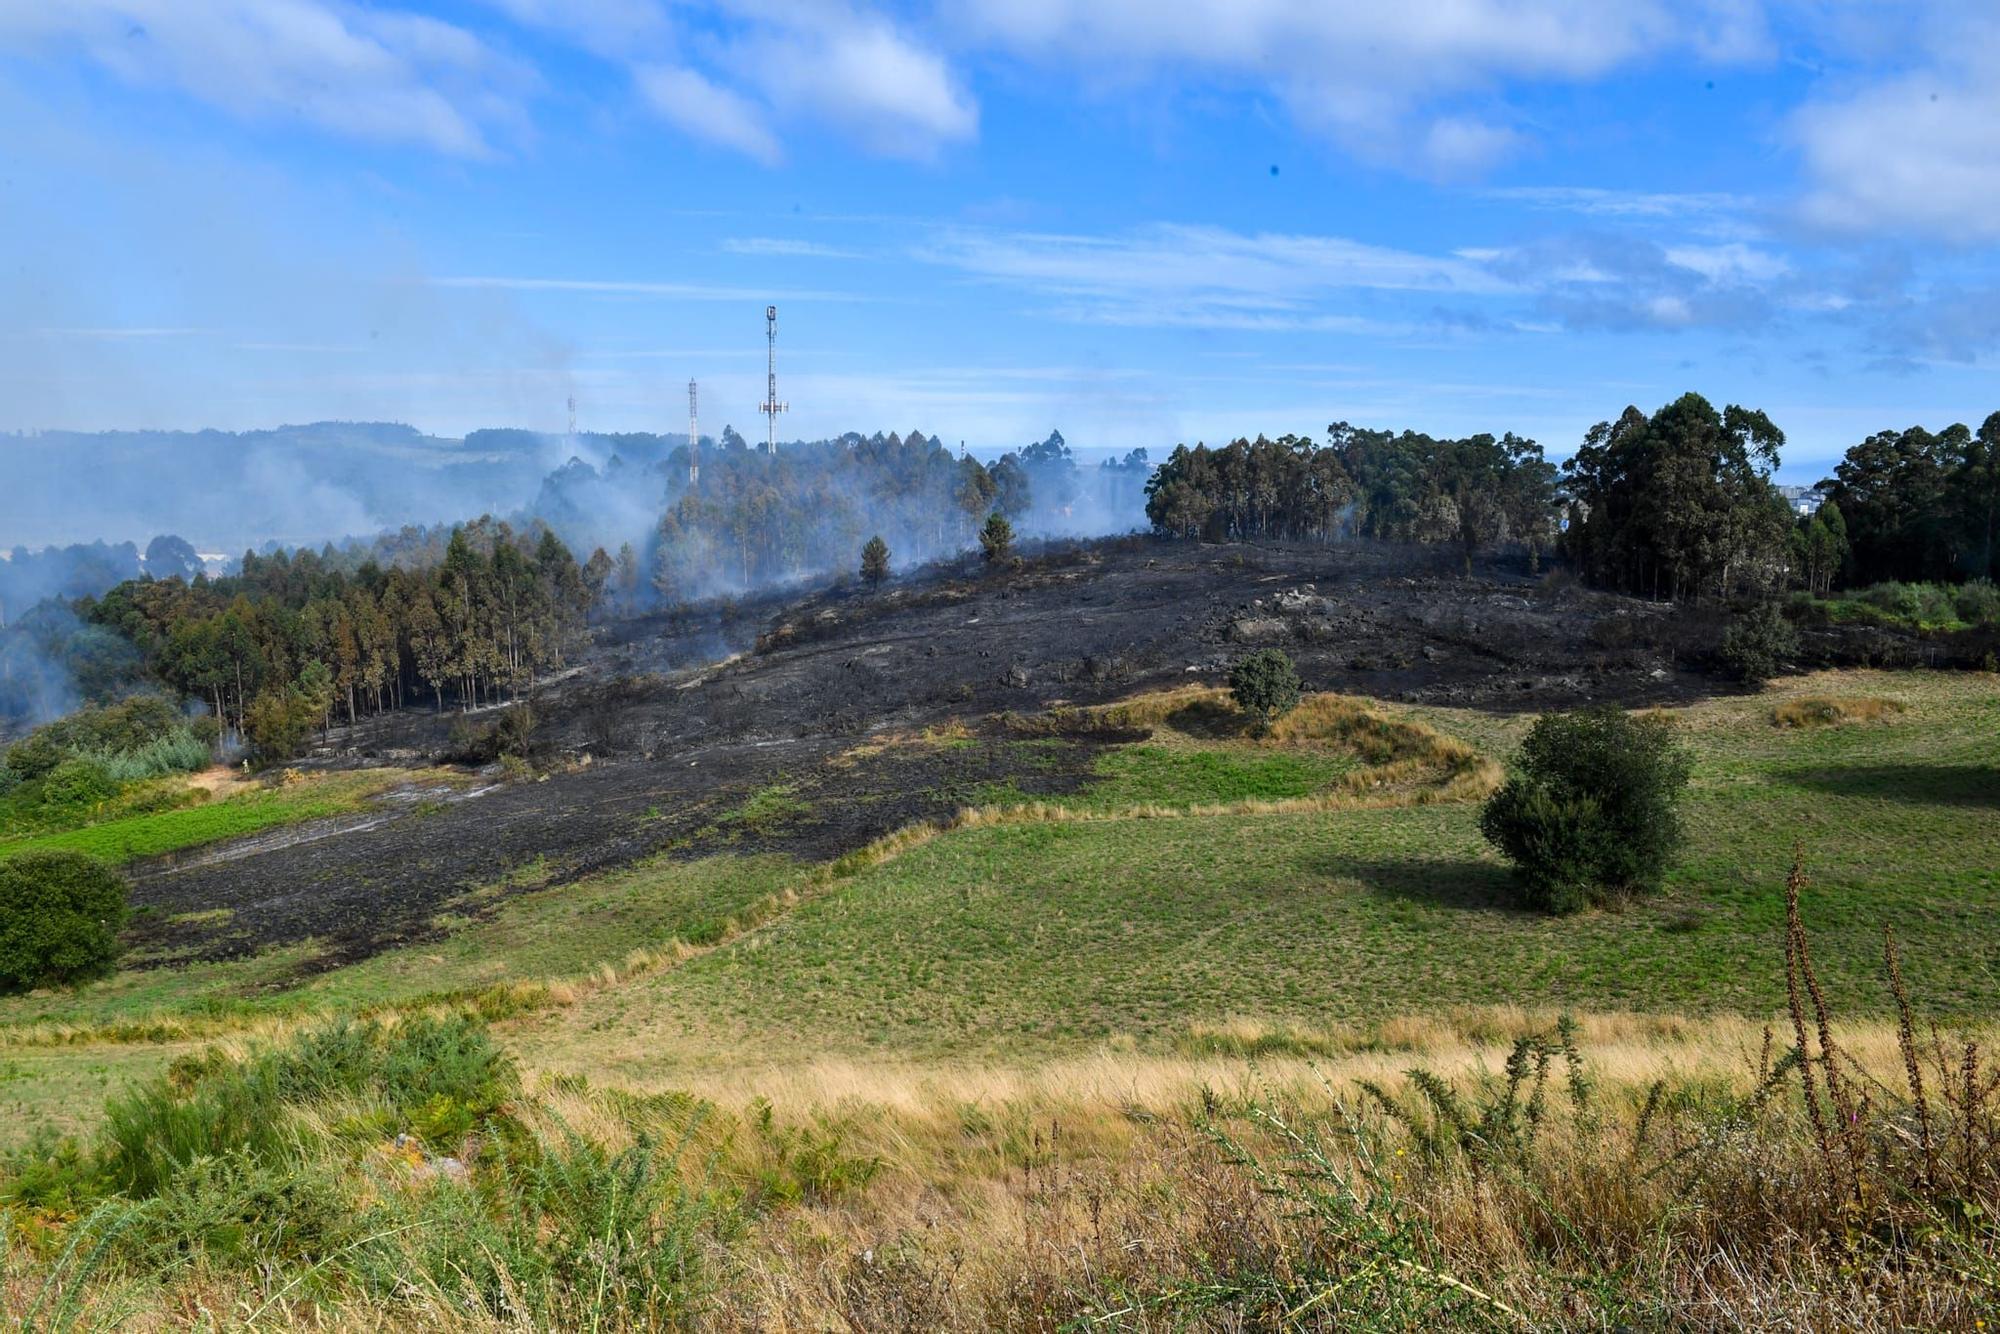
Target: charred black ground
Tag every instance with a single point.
(734, 726)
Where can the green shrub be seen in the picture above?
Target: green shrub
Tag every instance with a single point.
(60, 914)
(1590, 815)
(1265, 685)
(177, 752)
(1978, 602)
(50, 1172)
(277, 723)
(514, 734)
(35, 754)
(76, 784)
(235, 1211)
(1757, 642)
(438, 1077)
(110, 730)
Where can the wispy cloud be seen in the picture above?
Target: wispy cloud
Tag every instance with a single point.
(1914, 153)
(1596, 202)
(1176, 275)
(385, 75)
(689, 101)
(787, 248)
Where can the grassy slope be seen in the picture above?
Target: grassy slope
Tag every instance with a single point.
(1034, 939)
(1040, 940)
(568, 931)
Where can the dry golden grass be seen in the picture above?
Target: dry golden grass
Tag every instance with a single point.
(1001, 1191)
(1404, 761)
(1834, 710)
(1627, 1050)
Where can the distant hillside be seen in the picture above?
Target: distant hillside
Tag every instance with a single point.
(226, 491)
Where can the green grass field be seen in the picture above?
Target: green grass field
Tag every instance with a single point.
(127, 838)
(1020, 941)
(1047, 938)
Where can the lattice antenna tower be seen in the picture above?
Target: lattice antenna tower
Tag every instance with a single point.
(694, 439)
(572, 421)
(771, 407)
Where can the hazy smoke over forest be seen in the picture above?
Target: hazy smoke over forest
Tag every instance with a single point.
(116, 506)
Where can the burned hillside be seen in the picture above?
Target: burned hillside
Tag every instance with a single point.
(737, 726)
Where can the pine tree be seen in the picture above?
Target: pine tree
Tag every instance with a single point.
(875, 560)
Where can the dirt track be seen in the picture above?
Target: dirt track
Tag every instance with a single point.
(675, 749)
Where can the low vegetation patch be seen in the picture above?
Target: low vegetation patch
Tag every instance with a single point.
(128, 837)
(1195, 750)
(1834, 710)
(1910, 606)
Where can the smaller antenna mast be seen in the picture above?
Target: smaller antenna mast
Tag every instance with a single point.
(694, 439)
(771, 407)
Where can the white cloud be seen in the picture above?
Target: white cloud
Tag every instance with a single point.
(860, 74)
(1381, 79)
(688, 101)
(1917, 153)
(1734, 262)
(380, 75)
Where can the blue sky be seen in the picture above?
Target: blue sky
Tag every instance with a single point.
(1140, 222)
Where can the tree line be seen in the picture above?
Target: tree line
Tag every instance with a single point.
(1676, 505)
(750, 519)
(295, 641)
(1680, 504)
(1474, 493)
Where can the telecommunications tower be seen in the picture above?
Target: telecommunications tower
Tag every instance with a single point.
(771, 407)
(694, 440)
(572, 421)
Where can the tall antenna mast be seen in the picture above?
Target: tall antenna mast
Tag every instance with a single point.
(771, 407)
(572, 420)
(694, 439)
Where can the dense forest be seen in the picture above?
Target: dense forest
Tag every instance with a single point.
(1921, 506)
(1474, 493)
(1680, 504)
(294, 641)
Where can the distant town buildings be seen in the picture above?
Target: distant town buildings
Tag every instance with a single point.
(1803, 499)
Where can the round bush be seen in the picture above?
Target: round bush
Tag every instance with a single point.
(1757, 643)
(60, 914)
(78, 782)
(1265, 685)
(1590, 816)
